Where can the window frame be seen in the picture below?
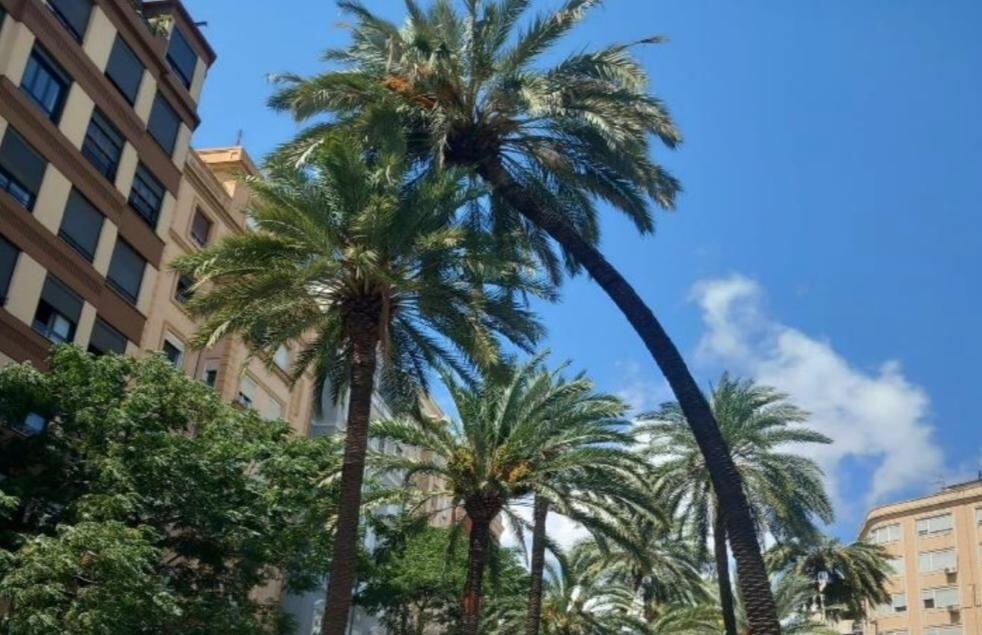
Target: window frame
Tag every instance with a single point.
(48, 328)
(70, 239)
(873, 539)
(8, 253)
(927, 521)
(169, 143)
(67, 23)
(193, 235)
(151, 184)
(186, 79)
(9, 181)
(176, 344)
(126, 56)
(933, 592)
(41, 60)
(115, 284)
(112, 332)
(931, 555)
(93, 148)
(182, 297)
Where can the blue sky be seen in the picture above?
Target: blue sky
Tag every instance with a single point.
(829, 240)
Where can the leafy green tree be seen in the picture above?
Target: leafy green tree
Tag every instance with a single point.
(504, 448)
(785, 490)
(550, 141)
(845, 578)
(362, 263)
(148, 506)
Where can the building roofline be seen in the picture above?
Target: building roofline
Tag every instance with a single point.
(895, 508)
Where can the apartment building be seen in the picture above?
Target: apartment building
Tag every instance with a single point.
(98, 100)
(936, 547)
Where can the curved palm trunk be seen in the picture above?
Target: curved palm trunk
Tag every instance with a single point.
(364, 334)
(540, 511)
(723, 572)
(479, 545)
(754, 585)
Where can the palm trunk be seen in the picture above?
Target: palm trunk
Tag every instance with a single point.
(754, 585)
(723, 572)
(479, 544)
(364, 334)
(540, 511)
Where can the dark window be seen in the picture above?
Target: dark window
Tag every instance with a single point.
(183, 292)
(126, 271)
(106, 339)
(58, 311)
(163, 124)
(32, 425)
(46, 83)
(103, 145)
(181, 57)
(8, 260)
(211, 376)
(73, 14)
(200, 228)
(147, 195)
(21, 168)
(124, 70)
(173, 354)
(81, 224)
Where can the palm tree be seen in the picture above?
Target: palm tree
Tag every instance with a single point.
(549, 142)
(845, 579)
(365, 268)
(785, 490)
(510, 443)
(661, 570)
(791, 596)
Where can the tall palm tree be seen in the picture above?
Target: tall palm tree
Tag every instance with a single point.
(362, 264)
(845, 579)
(785, 490)
(505, 447)
(550, 141)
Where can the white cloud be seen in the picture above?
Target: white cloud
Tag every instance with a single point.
(876, 417)
(640, 391)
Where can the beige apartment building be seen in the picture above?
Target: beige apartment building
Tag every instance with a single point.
(936, 545)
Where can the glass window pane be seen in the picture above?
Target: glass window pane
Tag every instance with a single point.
(73, 14)
(21, 168)
(103, 145)
(146, 195)
(8, 260)
(200, 228)
(106, 339)
(46, 83)
(126, 271)
(181, 57)
(81, 225)
(164, 124)
(125, 70)
(58, 311)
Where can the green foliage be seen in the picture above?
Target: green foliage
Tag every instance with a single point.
(414, 577)
(469, 85)
(353, 240)
(149, 506)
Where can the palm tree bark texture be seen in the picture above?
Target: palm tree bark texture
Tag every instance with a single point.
(363, 324)
(540, 511)
(480, 513)
(726, 480)
(723, 571)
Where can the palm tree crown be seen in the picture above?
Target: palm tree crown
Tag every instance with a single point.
(352, 241)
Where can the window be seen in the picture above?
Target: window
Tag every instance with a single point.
(885, 533)
(978, 515)
(247, 392)
(937, 560)
(897, 565)
(183, 291)
(45, 83)
(181, 57)
(282, 357)
(200, 228)
(897, 604)
(174, 351)
(21, 168)
(103, 145)
(943, 630)
(147, 195)
(105, 339)
(210, 374)
(8, 260)
(934, 524)
(73, 15)
(940, 598)
(32, 425)
(124, 70)
(163, 124)
(126, 271)
(273, 409)
(81, 225)
(58, 311)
